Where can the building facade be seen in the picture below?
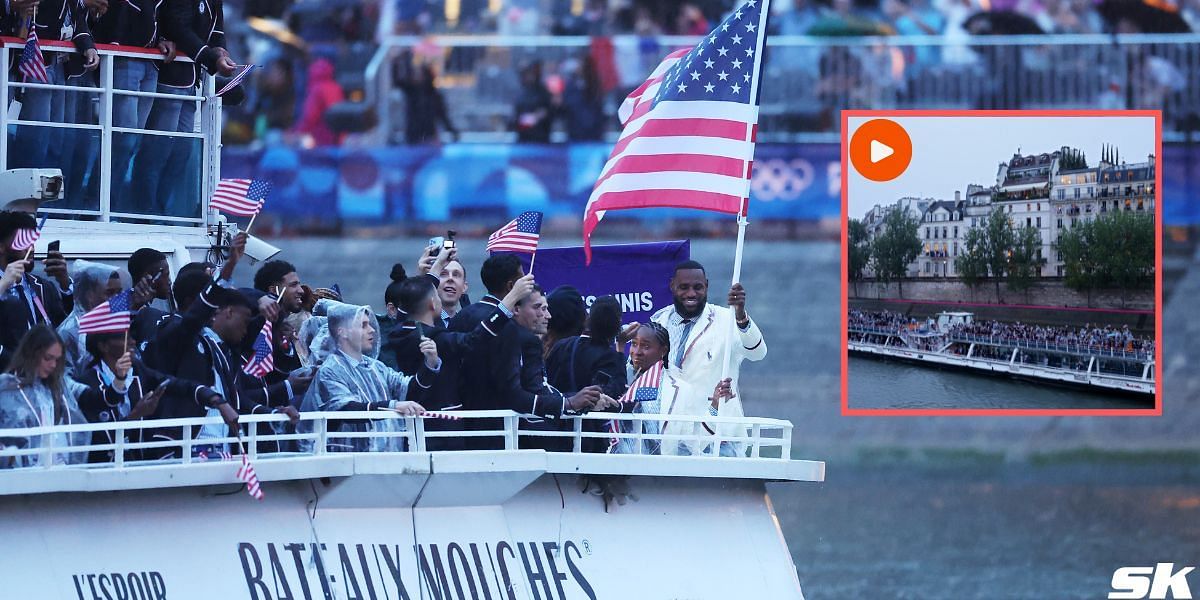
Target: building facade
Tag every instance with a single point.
(1050, 192)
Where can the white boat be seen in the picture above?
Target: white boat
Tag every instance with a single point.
(470, 524)
(934, 344)
(502, 524)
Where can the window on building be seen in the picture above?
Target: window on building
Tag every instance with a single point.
(1061, 193)
(1076, 193)
(943, 233)
(956, 231)
(1039, 222)
(1060, 223)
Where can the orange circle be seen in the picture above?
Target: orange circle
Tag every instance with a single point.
(891, 144)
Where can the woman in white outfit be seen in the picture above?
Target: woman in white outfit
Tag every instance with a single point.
(667, 396)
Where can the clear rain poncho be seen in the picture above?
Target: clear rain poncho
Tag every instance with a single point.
(344, 383)
(32, 405)
(89, 279)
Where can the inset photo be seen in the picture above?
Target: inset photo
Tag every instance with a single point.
(1001, 262)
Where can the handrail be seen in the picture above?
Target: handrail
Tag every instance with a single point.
(755, 432)
(1015, 342)
(208, 120)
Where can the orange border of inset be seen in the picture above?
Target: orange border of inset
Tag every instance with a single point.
(1014, 412)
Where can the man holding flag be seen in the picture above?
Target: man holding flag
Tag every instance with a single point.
(688, 142)
(26, 299)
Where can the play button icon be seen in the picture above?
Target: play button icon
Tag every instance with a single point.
(880, 150)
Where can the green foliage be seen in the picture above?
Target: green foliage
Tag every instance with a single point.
(860, 248)
(896, 247)
(1114, 250)
(1024, 265)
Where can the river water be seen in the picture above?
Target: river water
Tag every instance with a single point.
(987, 531)
(876, 383)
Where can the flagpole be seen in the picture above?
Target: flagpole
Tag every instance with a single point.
(742, 220)
(532, 257)
(252, 218)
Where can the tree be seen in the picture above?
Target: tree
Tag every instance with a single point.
(1125, 243)
(997, 245)
(859, 251)
(1024, 263)
(896, 247)
(1081, 259)
(1115, 250)
(972, 263)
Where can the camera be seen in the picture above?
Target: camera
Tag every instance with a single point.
(26, 189)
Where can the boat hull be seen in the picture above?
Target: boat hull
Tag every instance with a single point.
(392, 530)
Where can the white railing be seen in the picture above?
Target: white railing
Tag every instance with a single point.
(96, 134)
(807, 80)
(760, 439)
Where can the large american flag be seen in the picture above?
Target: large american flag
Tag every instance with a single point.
(110, 317)
(688, 138)
(263, 361)
(242, 197)
(32, 64)
(519, 235)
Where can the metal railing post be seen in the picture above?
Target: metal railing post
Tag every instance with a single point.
(187, 444)
(48, 455)
(252, 439)
(418, 433)
(578, 429)
(756, 433)
(119, 451)
(510, 433)
(321, 429)
(4, 91)
(210, 120)
(106, 136)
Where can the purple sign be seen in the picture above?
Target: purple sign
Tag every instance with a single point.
(637, 275)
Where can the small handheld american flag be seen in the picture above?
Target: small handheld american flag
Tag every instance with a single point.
(236, 80)
(33, 64)
(263, 361)
(24, 239)
(246, 474)
(110, 317)
(519, 235)
(241, 197)
(643, 389)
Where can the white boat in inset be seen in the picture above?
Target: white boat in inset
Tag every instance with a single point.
(936, 344)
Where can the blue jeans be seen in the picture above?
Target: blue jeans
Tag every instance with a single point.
(81, 164)
(129, 111)
(166, 169)
(39, 147)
